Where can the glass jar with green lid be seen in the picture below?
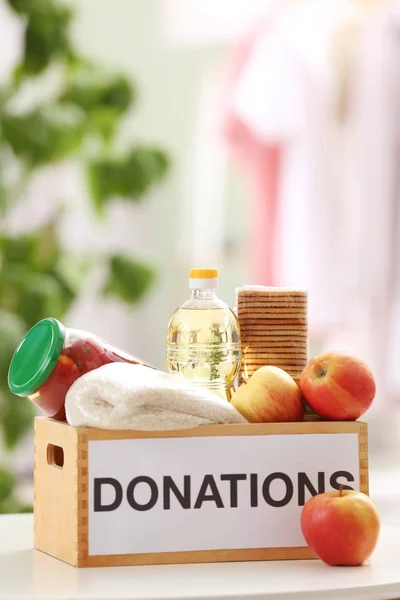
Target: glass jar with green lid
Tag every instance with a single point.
(51, 357)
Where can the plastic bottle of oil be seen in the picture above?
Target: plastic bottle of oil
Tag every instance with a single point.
(203, 341)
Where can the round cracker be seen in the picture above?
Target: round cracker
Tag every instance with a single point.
(267, 331)
(271, 310)
(296, 357)
(297, 369)
(276, 343)
(249, 315)
(276, 350)
(270, 334)
(291, 357)
(295, 374)
(275, 346)
(300, 345)
(249, 321)
(246, 350)
(288, 364)
(272, 302)
(264, 289)
(271, 326)
(268, 298)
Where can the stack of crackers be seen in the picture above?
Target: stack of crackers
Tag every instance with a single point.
(274, 329)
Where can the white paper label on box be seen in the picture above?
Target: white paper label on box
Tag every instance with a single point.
(209, 493)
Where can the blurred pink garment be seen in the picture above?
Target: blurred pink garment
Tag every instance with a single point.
(370, 181)
(283, 97)
(260, 162)
(336, 206)
(375, 122)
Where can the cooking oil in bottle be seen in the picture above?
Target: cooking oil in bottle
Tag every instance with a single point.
(203, 341)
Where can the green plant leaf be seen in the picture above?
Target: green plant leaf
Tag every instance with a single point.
(20, 6)
(42, 136)
(12, 506)
(91, 89)
(12, 329)
(23, 508)
(7, 483)
(128, 279)
(40, 249)
(144, 167)
(15, 249)
(46, 35)
(103, 122)
(37, 278)
(13, 279)
(129, 176)
(27, 7)
(16, 417)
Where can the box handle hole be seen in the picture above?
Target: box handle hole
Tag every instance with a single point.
(55, 456)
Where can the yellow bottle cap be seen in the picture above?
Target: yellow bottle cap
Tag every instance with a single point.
(203, 273)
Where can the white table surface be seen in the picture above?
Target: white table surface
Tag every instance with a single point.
(29, 574)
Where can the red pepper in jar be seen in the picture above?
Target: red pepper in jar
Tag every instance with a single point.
(51, 395)
(87, 355)
(50, 358)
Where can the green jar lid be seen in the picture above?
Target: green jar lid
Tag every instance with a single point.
(36, 356)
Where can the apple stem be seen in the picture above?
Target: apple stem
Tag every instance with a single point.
(341, 490)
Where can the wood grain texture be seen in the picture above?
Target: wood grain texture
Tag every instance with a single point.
(222, 430)
(82, 483)
(363, 457)
(56, 492)
(61, 494)
(169, 558)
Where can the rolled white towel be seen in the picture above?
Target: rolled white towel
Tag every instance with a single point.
(125, 396)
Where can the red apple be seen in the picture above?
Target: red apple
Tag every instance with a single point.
(269, 396)
(337, 386)
(341, 527)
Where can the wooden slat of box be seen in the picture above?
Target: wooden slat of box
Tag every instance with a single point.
(61, 489)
